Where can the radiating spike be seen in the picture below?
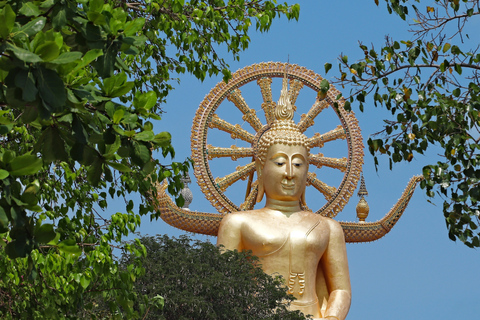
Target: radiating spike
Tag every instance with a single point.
(248, 114)
(319, 139)
(234, 152)
(307, 119)
(319, 161)
(268, 104)
(251, 199)
(266, 88)
(235, 130)
(321, 186)
(295, 87)
(240, 173)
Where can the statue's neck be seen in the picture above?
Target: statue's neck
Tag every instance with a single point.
(285, 207)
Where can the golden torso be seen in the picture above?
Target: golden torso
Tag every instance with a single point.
(306, 249)
(290, 247)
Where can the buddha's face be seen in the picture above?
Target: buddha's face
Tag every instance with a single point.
(284, 174)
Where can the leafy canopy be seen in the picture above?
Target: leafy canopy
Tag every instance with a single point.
(196, 281)
(81, 86)
(431, 86)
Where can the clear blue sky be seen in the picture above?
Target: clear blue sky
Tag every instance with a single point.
(415, 271)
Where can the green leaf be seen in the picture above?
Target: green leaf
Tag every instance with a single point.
(324, 85)
(88, 58)
(145, 100)
(84, 281)
(29, 9)
(3, 174)
(458, 69)
(328, 66)
(26, 81)
(70, 246)
(67, 57)
(7, 21)
(118, 115)
(163, 138)
(45, 233)
(59, 17)
(24, 55)
(17, 248)
(158, 302)
(446, 47)
(141, 154)
(144, 136)
(48, 50)
(3, 220)
(132, 27)
(30, 114)
(26, 164)
(122, 90)
(51, 89)
(31, 28)
(53, 146)
(33, 187)
(96, 5)
(94, 172)
(118, 166)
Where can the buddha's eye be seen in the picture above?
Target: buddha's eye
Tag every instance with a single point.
(297, 165)
(279, 164)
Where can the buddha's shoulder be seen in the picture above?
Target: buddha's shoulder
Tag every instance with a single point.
(240, 215)
(236, 218)
(331, 223)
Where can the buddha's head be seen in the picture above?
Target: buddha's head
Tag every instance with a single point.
(282, 156)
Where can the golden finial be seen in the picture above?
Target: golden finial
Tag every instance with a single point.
(284, 109)
(362, 207)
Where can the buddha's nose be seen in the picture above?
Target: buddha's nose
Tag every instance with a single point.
(289, 171)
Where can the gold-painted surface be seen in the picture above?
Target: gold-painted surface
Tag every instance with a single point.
(240, 173)
(362, 209)
(235, 130)
(319, 161)
(234, 152)
(191, 221)
(318, 140)
(298, 245)
(263, 73)
(249, 115)
(295, 87)
(307, 120)
(208, 223)
(321, 186)
(371, 231)
(268, 105)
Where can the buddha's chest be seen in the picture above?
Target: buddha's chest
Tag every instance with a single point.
(288, 237)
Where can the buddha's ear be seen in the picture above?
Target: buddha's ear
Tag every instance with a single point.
(302, 198)
(261, 190)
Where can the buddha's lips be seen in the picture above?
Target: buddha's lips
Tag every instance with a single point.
(288, 186)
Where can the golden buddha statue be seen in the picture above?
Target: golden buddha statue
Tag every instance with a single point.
(306, 249)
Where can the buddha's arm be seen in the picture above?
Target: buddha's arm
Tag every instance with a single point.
(229, 232)
(335, 267)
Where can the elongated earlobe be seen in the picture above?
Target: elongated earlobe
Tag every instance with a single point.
(302, 199)
(261, 190)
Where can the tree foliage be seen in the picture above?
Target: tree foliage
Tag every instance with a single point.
(81, 86)
(430, 84)
(196, 281)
